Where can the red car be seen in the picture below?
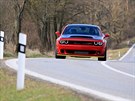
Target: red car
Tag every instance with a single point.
(81, 40)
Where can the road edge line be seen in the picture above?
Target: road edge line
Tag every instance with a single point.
(115, 70)
(70, 85)
(126, 53)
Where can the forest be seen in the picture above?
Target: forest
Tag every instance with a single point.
(40, 19)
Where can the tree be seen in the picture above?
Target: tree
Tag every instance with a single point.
(50, 16)
(19, 7)
(40, 19)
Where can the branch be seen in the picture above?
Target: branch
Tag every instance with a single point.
(17, 4)
(74, 15)
(22, 8)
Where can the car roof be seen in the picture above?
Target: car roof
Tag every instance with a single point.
(90, 25)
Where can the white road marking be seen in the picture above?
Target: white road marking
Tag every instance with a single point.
(116, 70)
(126, 53)
(12, 64)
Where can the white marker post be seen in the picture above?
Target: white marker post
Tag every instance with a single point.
(21, 61)
(119, 54)
(1, 44)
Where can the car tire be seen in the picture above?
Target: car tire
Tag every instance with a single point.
(59, 57)
(105, 56)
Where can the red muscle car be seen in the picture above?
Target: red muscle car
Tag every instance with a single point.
(81, 40)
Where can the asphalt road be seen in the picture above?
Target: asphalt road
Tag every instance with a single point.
(112, 80)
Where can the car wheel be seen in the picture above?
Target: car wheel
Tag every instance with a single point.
(59, 57)
(104, 58)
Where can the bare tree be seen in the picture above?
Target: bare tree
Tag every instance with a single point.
(44, 17)
(19, 9)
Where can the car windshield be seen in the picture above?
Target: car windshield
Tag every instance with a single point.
(85, 30)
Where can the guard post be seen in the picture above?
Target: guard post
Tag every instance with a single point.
(21, 61)
(1, 44)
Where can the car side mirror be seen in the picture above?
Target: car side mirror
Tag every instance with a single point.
(57, 33)
(107, 35)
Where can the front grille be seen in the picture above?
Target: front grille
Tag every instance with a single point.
(80, 52)
(80, 43)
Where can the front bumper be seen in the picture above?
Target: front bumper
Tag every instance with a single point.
(81, 50)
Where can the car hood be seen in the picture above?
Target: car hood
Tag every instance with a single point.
(82, 36)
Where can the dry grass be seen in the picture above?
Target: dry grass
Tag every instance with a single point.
(33, 53)
(116, 54)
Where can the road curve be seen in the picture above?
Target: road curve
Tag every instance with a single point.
(87, 75)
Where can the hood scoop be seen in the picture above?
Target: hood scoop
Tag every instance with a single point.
(81, 37)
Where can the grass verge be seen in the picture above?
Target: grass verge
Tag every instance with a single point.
(29, 54)
(116, 54)
(35, 90)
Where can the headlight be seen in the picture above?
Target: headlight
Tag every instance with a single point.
(98, 43)
(63, 42)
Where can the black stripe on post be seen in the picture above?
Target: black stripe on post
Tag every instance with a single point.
(1, 39)
(21, 48)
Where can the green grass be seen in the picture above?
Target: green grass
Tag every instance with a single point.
(35, 90)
